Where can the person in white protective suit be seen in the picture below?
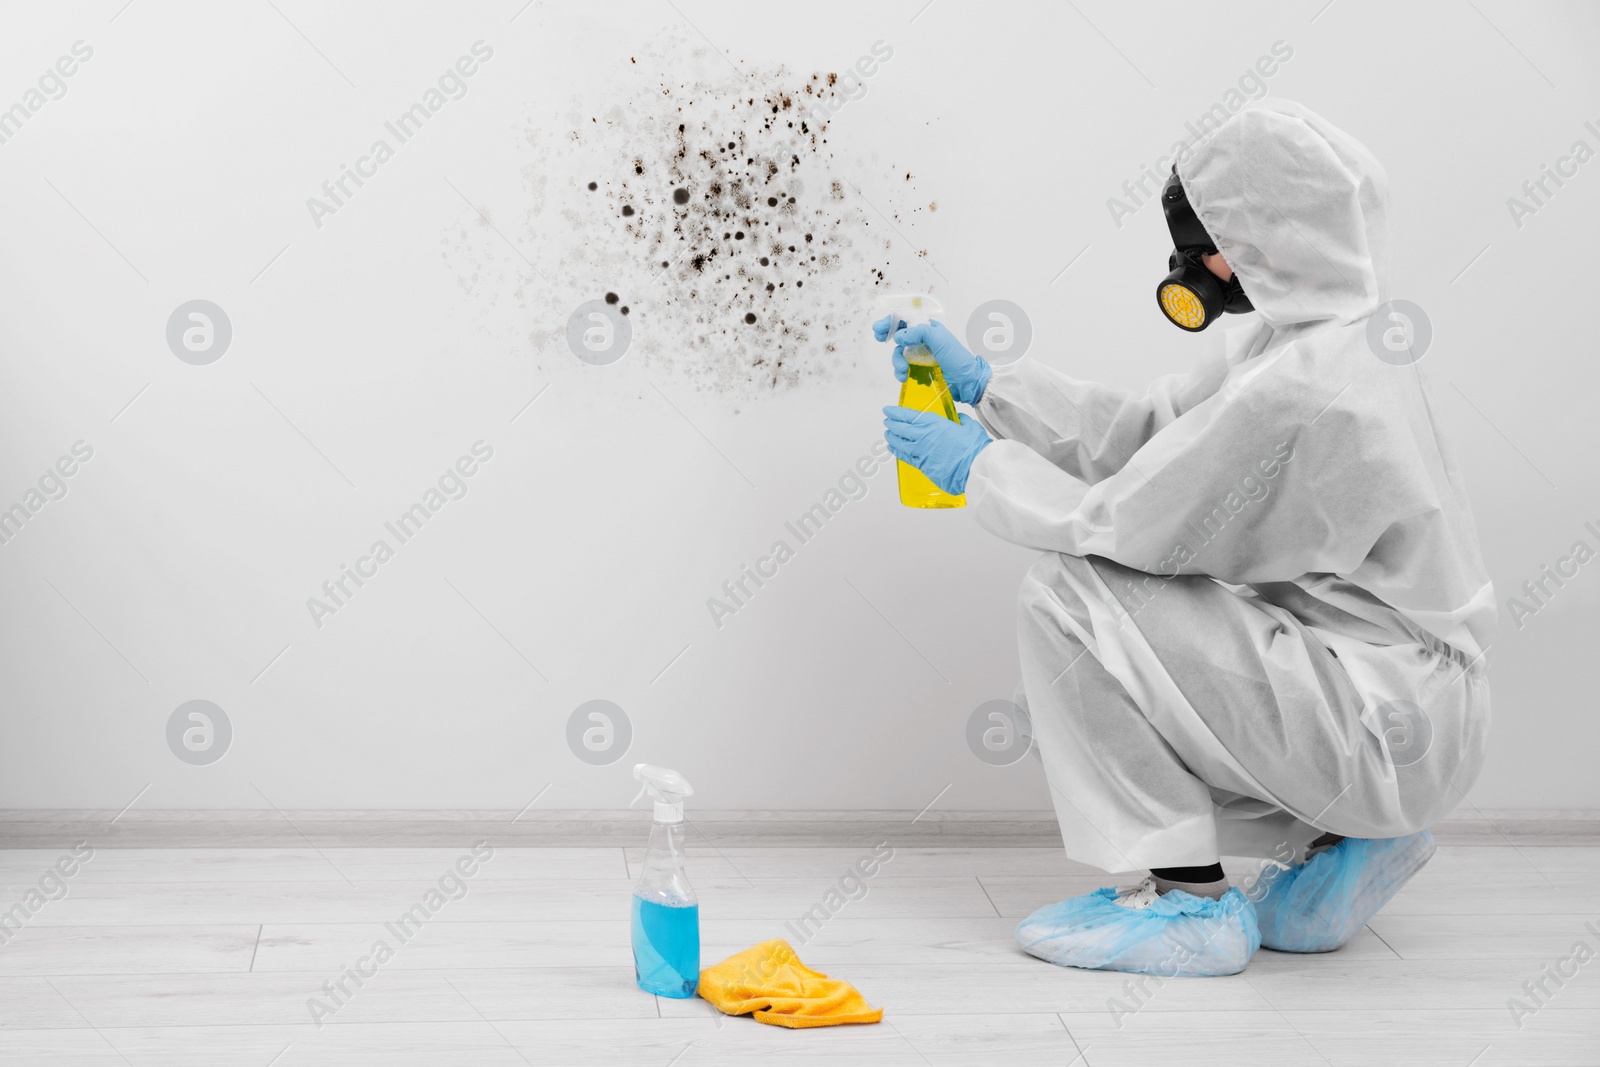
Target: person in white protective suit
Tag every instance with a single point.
(1260, 623)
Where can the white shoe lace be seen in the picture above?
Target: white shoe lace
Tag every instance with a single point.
(1139, 896)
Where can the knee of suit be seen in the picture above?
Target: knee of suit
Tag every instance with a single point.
(1044, 579)
(1045, 593)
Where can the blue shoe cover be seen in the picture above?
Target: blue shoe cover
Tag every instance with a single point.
(1177, 935)
(1324, 902)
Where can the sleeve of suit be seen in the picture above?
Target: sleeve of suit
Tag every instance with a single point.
(1246, 486)
(1087, 429)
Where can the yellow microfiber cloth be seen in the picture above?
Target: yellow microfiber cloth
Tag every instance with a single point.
(770, 981)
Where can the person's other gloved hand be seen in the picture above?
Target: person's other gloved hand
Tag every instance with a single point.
(965, 373)
(939, 448)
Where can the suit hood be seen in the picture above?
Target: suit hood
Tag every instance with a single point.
(1300, 211)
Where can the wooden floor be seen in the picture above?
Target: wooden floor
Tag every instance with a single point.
(209, 957)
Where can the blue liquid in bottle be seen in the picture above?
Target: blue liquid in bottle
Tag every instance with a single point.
(666, 948)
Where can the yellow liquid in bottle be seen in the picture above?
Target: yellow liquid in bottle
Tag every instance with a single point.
(925, 390)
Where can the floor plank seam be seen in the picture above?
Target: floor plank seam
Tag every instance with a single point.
(899, 1013)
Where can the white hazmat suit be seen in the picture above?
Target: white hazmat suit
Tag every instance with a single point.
(1263, 611)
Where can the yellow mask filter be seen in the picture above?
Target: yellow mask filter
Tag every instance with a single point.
(1191, 296)
(1182, 305)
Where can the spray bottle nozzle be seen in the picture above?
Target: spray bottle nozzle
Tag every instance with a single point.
(908, 308)
(667, 788)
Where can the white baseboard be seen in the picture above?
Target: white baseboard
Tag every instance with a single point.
(42, 828)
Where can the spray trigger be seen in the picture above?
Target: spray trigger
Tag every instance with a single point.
(668, 788)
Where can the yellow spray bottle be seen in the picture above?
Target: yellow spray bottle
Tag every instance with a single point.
(924, 390)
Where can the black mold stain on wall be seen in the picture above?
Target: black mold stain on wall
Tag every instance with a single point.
(716, 215)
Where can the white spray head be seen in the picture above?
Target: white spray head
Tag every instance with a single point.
(667, 788)
(909, 308)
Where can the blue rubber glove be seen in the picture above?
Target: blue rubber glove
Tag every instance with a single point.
(939, 448)
(965, 373)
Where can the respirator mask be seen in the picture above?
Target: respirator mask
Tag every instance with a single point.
(1190, 295)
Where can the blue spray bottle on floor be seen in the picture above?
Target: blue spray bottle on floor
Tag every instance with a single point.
(666, 913)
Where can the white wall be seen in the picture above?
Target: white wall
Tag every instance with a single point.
(378, 347)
